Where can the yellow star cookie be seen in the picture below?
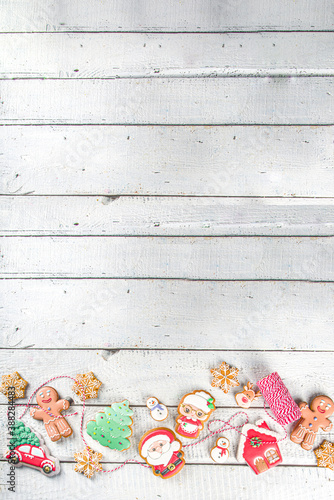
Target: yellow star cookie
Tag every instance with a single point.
(325, 455)
(88, 463)
(16, 381)
(225, 377)
(90, 385)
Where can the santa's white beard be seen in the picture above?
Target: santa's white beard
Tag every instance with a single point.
(164, 458)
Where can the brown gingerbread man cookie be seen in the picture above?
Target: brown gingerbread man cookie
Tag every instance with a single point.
(50, 412)
(313, 419)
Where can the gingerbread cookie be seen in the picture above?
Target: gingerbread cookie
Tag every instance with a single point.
(112, 427)
(13, 386)
(245, 398)
(88, 462)
(325, 455)
(225, 377)
(194, 409)
(158, 411)
(313, 419)
(162, 451)
(220, 452)
(50, 409)
(87, 385)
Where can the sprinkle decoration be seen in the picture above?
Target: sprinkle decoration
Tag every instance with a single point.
(279, 399)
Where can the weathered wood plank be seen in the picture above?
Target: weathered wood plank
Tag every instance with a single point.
(134, 481)
(197, 15)
(180, 216)
(295, 100)
(167, 314)
(142, 421)
(168, 375)
(122, 55)
(191, 367)
(239, 161)
(212, 258)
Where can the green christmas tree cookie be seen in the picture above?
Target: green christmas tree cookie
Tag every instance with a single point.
(20, 434)
(112, 427)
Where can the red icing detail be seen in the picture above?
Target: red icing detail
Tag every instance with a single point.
(320, 410)
(263, 425)
(267, 455)
(30, 457)
(183, 431)
(46, 400)
(244, 399)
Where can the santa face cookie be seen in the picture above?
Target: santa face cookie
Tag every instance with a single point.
(220, 452)
(194, 409)
(162, 451)
(158, 411)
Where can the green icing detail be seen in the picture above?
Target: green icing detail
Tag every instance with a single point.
(22, 435)
(112, 431)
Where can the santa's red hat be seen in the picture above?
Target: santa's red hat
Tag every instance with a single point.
(152, 437)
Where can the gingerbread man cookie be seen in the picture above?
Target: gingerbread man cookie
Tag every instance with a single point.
(50, 412)
(313, 419)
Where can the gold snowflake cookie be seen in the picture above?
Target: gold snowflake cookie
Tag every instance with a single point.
(225, 377)
(17, 382)
(325, 455)
(88, 462)
(90, 385)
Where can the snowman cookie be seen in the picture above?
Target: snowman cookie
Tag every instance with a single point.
(220, 453)
(158, 411)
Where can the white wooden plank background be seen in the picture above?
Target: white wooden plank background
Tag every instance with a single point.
(73, 55)
(211, 258)
(149, 254)
(171, 15)
(210, 101)
(165, 216)
(211, 161)
(180, 314)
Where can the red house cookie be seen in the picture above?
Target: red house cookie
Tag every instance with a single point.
(313, 419)
(258, 447)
